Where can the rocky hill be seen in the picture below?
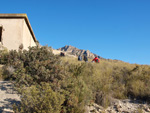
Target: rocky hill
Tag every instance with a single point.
(75, 51)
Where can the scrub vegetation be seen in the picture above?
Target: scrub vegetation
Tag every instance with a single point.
(49, 83)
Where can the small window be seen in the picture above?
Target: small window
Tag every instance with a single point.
(1, 33)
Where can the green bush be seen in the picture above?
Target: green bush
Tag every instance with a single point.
(3, 56)
(138, 83)
(1, 73)
(39, 99)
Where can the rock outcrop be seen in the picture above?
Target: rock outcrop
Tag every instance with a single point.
(75, 51)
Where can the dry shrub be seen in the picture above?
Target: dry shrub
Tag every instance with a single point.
(39, 99)
(78, 83)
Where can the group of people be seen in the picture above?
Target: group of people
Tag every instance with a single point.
(96, 59)
(62, 54)
(85, 58)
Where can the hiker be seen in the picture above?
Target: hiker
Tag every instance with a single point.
(96, 59)
(85, 58)
(62, 54)
(79, 58)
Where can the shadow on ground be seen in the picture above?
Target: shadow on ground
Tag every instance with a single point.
(7, 86)
(9, 99)
(8, 105)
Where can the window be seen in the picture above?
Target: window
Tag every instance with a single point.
(1, 34)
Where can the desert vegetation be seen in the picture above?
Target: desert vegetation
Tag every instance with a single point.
(49, 83)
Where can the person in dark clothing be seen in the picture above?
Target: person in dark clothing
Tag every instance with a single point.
(62, 54)
(79, 58)
(96, 59)
(85, 58)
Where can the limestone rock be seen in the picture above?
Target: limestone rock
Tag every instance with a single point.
(75, 51)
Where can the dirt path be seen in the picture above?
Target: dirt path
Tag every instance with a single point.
(8, 97)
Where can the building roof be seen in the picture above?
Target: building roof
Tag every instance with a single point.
(24, 16)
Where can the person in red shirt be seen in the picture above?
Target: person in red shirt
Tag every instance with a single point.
(96, 59)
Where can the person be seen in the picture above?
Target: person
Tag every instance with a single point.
(79, 58)
(62, 54)
(96, 59)
(85, 58)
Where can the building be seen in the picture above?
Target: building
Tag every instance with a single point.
(15, 30)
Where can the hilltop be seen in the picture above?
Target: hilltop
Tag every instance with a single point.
(76, 52)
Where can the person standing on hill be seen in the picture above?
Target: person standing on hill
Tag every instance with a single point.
(79, 58)
(96, 59)
(85, 58)
(62, 54)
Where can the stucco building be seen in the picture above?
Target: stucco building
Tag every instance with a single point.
(15, 30)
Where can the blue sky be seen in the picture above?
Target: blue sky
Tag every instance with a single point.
(113, 29)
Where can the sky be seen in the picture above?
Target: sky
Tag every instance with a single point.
(113, 29)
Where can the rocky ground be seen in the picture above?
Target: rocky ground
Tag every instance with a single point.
(120, 106)
(8, 97)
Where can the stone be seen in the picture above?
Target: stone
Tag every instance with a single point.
(75, 51)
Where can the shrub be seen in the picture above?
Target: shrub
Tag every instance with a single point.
(3, 56)
(8, 72)
(64, 80)
(76, 83)
(39, 99)
(1, 73)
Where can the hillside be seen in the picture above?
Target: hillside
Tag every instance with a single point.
(54, 84)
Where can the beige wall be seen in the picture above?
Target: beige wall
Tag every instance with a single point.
(12, 32)
(27, 37)
(15, 32)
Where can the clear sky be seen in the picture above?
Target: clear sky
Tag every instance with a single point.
(113, 29)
